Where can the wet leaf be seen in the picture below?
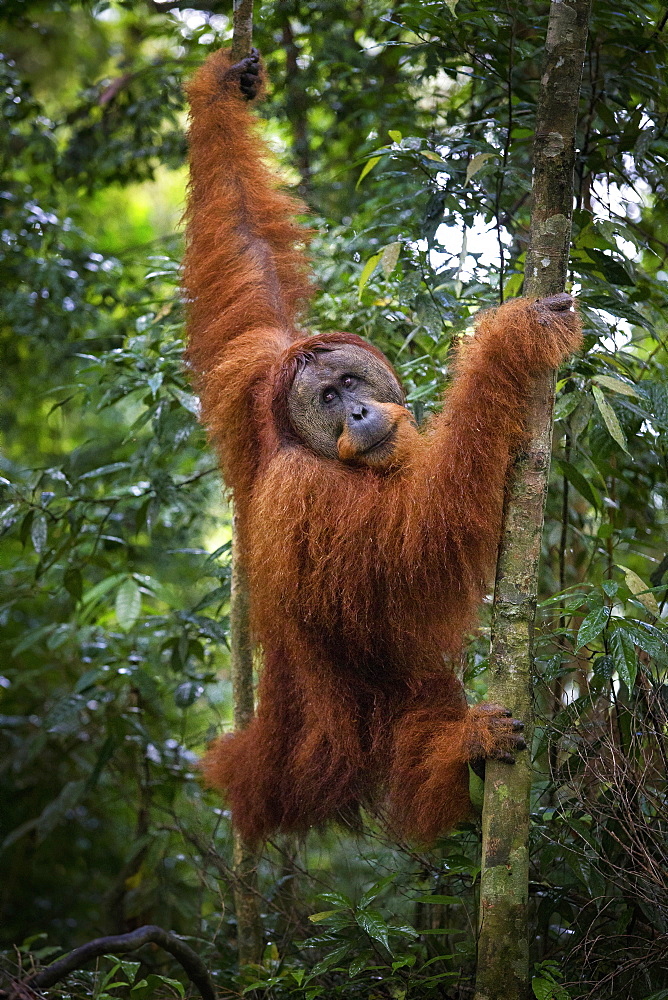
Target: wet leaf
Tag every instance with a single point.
(389, 258)
(610, 418)
(584, 488)
(615, 384)
(475, 164)
(637, 586)
(38, 532)
(624, 657)
(367, 168)
(592, 626)
(367, 271)
(128, 604)
(375, 926)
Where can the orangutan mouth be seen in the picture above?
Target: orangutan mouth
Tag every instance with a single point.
(388, 438)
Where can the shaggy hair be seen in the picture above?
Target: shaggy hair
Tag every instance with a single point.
(361, 579)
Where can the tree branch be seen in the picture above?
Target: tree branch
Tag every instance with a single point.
(118, 944)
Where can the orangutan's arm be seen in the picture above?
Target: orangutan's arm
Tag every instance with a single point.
(243, 265)
(484, 414)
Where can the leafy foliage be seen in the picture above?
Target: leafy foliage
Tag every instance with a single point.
(408, 129)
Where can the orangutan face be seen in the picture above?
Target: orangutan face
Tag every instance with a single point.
(346, 404)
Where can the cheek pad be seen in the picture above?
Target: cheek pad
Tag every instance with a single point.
(316, 427)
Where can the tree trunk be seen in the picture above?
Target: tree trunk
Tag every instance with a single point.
(503, 947)
(242, 33)
(245, 859)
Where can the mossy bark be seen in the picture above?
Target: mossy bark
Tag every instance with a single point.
(242, 33)
(503, 946)
(245, 858)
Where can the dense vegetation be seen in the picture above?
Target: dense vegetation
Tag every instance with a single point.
(407, 127)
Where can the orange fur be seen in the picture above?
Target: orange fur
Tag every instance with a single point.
(361, 579)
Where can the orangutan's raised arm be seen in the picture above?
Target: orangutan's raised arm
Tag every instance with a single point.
(484, 414)
(243, 265)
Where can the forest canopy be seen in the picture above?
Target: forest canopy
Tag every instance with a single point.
(407, 128)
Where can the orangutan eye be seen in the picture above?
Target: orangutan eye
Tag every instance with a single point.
(329, 395)
(348, 381)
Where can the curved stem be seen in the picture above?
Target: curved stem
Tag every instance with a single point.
(119, 944)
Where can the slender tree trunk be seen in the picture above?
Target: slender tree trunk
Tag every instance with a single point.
(503, 949)
(242, 32)
(245, 859)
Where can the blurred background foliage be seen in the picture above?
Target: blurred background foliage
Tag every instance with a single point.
(407, 128)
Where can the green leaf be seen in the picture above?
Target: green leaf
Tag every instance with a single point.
(88, 680)
(101, 588)
(374, 925)
(615, 273)
(154, 382)
(615, 384)
(576, 478)
(475, 164)
(639, 589)
(542, 989)
(610, 418)
(187, 693)
(151, 987)
(650, 639)
(367, 271)
(319, 918)
(429, 154)
(128, 604)
(407, 961)
(336, 899)
(604, 666)
(375, 890)
(367, 168)
(437, 958)
(395, 135)
(566, 403)
(187, 400)
(329, 960)
(357, 965)
(592, 626)
(105, 470)
(624, 657)
(389, 257)
(547, 989)
(38, 532)
(581, 416)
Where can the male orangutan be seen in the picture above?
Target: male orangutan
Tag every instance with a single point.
(367, 543)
